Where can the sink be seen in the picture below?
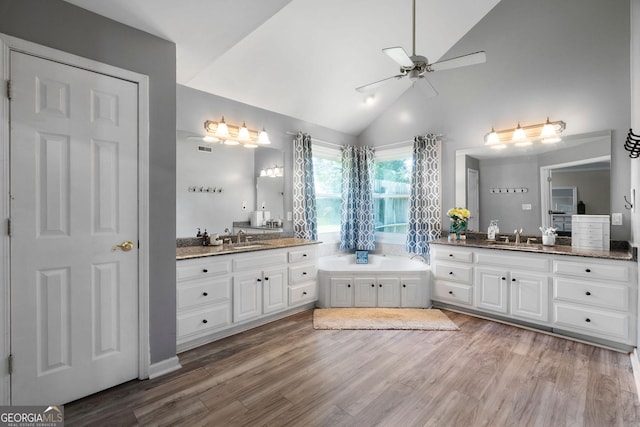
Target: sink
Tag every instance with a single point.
(511, 245)
(241, 246)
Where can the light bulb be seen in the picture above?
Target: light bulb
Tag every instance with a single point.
(222, 131)
(519, 134)
(243, 133)
(263, 138)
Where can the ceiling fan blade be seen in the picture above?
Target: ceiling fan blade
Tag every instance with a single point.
(459, 61)
(371, 86)
(425, 86)
(399, 55)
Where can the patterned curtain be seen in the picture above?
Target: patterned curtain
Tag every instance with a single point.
(357, 225)
(305, 222)
(425, 210)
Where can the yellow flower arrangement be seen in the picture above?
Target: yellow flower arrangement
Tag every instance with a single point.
(459, 218)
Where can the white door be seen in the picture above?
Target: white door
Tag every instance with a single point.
(74, 301)
(389, 292)
(247, 297)
(365, 292)
(473, 199)
(274, 297)
(530, 296)
(491, 289)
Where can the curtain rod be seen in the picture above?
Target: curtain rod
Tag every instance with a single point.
(391, 144)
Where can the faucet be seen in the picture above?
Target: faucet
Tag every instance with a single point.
(240, 233)
(517, 233)
(422, 258)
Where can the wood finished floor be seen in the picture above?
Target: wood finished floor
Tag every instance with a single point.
(287, 374)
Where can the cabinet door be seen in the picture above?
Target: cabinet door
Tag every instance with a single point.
(530, 296)
(247, 297)
(365, 292)
(412, 292)
(341, 292)
(274, 290)
(388, 292)
(491, 289)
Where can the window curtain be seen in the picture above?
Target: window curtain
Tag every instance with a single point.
(357, 225)
(305, 222)
(425, 207)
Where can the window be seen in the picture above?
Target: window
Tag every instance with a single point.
(327, 173)
(391, 189)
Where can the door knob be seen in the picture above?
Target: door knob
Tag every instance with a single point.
(125, 246)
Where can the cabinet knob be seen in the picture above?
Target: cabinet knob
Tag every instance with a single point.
(380, 285)
(404, 286)
(451, 273)
(450, 292)
(587, 293)
(204, 270)
(266, 278)
(373, 286)
(204, 294)
(587, 320)
(450, 255)
(503, 278)
(304, 292)
(588, 270)
(205, 321)
(304, 255)
(304, 273)
(259, 280)
(348, 286)
(513, 280)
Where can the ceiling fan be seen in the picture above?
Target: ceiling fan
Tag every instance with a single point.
(415, 67)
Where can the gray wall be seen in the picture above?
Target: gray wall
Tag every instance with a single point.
(568, 60)
(62, 26)
(195, 107)
(590, 185)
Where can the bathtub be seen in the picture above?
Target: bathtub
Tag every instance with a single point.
(386, 281)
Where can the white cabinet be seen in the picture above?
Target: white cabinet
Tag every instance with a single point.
(341, 291)
(596, 298)
(412, 293)
(217, 293)
(589, 298)
(491, 289)
(530, 296)
(258, 293)
(376, 291)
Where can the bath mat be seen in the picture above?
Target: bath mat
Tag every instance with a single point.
(382, 318)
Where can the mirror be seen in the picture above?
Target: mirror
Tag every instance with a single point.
(217, 185)
(516, 185)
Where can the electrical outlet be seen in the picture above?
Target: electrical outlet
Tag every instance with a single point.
(244, 205)
(616, 219)
(526, 206)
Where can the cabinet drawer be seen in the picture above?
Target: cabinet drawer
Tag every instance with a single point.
(256, 262)
(305, 292)
(592, 270)
(203, 291)
(453, 272)
(452, 291)
(453, 254)
(302, 255)
(206, 267)
(601, 295)
(608, 324)
(302, 273)
(204, 320)
(530, 262)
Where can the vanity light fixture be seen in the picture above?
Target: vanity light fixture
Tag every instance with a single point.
(234, 135)
(274, 172)
(546, 133)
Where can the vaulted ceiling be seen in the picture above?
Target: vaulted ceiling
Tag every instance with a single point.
(301, 58)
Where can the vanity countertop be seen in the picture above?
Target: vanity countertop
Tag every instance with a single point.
(189, 252)
(615, 254)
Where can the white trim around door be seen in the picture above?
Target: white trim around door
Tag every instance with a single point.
(7, 44)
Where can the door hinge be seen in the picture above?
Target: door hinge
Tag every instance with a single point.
(549, 179)
(10, 363)
(9, 227)
(9, 89)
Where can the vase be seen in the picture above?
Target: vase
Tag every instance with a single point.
(457, 227)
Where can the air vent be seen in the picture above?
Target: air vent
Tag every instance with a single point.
(204, 149)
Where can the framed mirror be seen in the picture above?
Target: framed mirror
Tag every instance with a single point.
(516, 185)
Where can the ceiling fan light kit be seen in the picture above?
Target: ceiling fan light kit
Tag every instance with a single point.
(546, 133)
(416, 66)
(234, 135)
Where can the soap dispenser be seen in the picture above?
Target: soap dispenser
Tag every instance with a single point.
(493, 230)
(205, 238)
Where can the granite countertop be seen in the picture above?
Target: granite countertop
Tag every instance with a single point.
(188, 252)
(615, 254)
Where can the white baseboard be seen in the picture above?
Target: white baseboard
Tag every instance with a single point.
(635, 366)
(164, 367)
